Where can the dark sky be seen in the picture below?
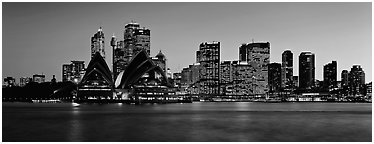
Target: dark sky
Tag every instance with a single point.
(40, 37)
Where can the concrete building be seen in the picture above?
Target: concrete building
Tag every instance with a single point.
(287, 69)
(209, 59)
(330, 75)
(275, 80)
(98, 43)
(257, 55)
(306, 70)
(244, 82)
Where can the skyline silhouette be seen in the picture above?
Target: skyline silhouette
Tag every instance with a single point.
(40, 37)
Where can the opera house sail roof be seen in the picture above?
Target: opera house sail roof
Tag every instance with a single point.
(97, 78)
(141, 71)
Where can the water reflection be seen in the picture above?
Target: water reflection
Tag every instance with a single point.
(75, 133)
(193, 122)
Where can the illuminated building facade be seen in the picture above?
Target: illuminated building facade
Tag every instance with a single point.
(209, 59)
(135, 39)
(73, 72)
(98, 43)
(257, 55)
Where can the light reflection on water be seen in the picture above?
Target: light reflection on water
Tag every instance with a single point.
(195, 122)
(75, 125)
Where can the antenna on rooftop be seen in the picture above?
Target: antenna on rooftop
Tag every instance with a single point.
(253, 40)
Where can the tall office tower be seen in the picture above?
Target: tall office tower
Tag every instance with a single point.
(135, 40)
(344, 78)
(330, 75)
(287, 69)
(209, 68)
(98, 43)
(306, 70)
(275, 80)
(356, 80)
(258, 56)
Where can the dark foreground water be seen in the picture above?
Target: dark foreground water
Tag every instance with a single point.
(194, 122)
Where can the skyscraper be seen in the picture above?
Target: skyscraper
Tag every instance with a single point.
(135, 39)
(257, 56)
(329, 75)
(287, 69)
(98, 43)
(274, 77)
(356, 80)
(306, 70)
(209, 70)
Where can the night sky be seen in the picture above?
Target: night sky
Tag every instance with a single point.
(39, 37)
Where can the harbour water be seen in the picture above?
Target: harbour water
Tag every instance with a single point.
(188, 122)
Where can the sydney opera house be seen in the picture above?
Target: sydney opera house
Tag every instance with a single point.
(136, 76)
(141, 80)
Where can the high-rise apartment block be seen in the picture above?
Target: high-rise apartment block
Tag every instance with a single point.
(330, 75)
(306, 70)
(98, 43)
(209, 59)
(287, 69)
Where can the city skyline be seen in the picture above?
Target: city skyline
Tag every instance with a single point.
(178, 28)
